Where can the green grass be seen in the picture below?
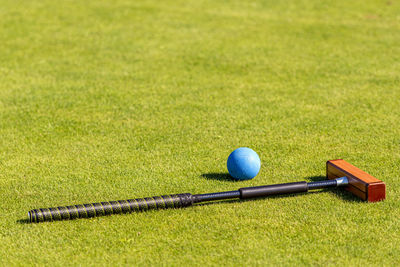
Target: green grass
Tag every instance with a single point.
(106, 100)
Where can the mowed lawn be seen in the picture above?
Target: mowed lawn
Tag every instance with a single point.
(108, 100)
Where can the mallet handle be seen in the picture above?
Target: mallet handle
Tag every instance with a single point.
(109, 207)
(172, 201)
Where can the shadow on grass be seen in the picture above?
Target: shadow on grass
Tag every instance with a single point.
(220, 176)
(339, 192)
(315, 178)
(253, 199)
(23, 221)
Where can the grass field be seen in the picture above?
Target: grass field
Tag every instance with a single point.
(106, 100)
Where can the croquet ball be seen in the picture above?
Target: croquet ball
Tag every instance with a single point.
(243, 163)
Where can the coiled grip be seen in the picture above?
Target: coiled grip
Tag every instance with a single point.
(110, 207)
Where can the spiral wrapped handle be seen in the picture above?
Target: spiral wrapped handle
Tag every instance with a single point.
(110, 207)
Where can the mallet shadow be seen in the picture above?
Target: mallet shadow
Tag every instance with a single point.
(251, 199)
(23, 221)
(340, 192)
(226, 177)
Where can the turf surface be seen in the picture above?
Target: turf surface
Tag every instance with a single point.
(106, 100)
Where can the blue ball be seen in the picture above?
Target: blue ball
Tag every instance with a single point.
(243, 163)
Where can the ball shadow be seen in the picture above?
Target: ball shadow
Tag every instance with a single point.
(219, 176)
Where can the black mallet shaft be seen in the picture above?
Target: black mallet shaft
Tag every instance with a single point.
(173, 201)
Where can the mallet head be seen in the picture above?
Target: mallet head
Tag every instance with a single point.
(361, 184)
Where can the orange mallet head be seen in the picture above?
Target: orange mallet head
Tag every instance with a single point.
(361, 184)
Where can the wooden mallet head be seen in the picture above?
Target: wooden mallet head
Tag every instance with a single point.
(361, 184)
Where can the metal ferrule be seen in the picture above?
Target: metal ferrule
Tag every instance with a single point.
(342, 181)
